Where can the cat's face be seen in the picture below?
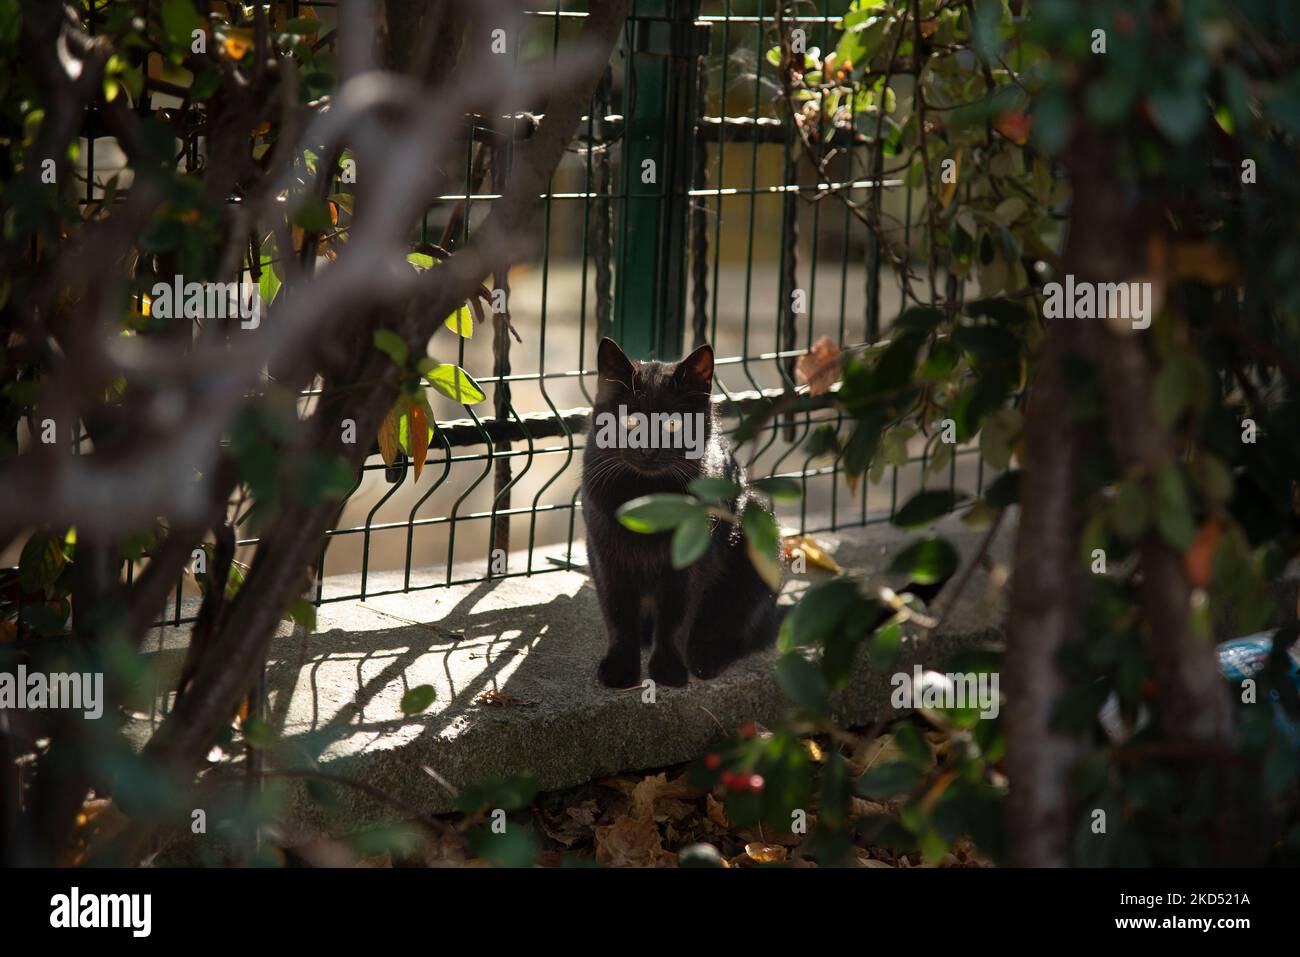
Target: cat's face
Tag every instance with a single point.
(653, 418)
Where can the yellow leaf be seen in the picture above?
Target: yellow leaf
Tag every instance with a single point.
(950, 189)
(238, 44)
(461, 322)
(765, 853)
(812, 552)
(418, 437)
(388, 437)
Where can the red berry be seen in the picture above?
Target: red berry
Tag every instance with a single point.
(1125, 23)
(712, 761)
(728, 779)
(748, 729)
(756, 782)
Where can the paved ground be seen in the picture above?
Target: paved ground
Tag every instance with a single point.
(534, 642)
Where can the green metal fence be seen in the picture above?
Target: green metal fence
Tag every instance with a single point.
(710, 247)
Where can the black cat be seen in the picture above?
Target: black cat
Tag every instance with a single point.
(704, 616)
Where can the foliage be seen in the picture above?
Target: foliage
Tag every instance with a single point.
(1196, 102)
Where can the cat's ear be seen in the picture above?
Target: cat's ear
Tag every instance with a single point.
(613, 365)
(695, 372)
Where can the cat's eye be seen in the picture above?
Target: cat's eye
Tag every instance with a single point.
(672, 425)
(630, 422)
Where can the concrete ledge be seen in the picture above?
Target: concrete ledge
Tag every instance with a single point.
(513, 663)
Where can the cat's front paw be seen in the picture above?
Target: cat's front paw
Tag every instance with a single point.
(619, 671)
(670, 671)
(707, 664)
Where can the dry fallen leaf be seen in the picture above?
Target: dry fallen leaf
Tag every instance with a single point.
(1199, 558)
(717, 813)
(1014, 126)
(388, 437)
(880, 751)
(766, 853)
(813, 553)
(862, 859)
(502, 699)
(858, 807)
(576, 824)
(631, 841)
(819, 368)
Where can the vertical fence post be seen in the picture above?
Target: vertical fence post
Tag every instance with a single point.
(659, 97)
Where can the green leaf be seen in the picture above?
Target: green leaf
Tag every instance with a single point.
(1174, 509)
(714, 489)
(780, 489)
(918, 321)
(1181, 385)
(1010, 209)
(392, 345)
(861, 447)
(819, 612)
(179, 22)
(258, 733)
(10, 20)
(302, 25)
(268, 283)
(513, 847)
(1179, 114)
(312, 215)
(927, 561)
(455, 383)
(509, 794)
(823, 440)
(1129, 513)
(925, 507)
(691, 540)
(888, 780)
(803, 682)
(886, 643)
(914, 747)
(893, 445)
(461, 322)
(418, 698)
(998, 435)
(658, 512)
(762, 543)
(303, 614)
(40, 563)
(1005, 490)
